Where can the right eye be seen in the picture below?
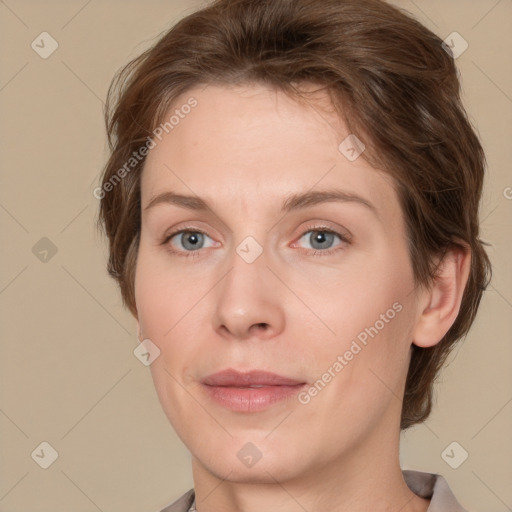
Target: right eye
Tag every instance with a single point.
(187, 240)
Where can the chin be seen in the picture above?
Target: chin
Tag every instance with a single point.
(262, 472)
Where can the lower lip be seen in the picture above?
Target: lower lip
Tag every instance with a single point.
(251, 399)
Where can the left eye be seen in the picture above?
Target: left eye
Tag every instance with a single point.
(320, 239)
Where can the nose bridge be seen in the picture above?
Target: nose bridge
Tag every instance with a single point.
(246, 299)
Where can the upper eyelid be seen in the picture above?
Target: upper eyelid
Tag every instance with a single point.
(193, 229)
(342, 232)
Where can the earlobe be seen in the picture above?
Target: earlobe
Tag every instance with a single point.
(139, 330)
(135, 315)
(440, 304)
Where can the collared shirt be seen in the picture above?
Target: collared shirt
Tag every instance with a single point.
(425, 485)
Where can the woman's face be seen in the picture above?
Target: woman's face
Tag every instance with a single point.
(293, 261)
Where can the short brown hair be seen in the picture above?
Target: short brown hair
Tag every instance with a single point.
(391, 80)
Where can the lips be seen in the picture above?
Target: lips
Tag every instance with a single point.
(250, 392)
(251, 379)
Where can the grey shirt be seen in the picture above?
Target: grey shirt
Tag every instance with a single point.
(425, 485)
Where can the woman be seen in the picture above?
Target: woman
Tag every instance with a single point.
(291, 203)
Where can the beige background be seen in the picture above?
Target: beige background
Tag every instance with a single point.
(67, 369)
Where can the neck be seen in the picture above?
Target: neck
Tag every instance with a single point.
(368, 478)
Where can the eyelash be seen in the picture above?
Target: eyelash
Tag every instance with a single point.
(345, 239)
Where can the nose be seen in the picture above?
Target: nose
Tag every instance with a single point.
(249, 302)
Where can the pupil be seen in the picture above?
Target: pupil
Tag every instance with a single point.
(322, 238)
(192, 240)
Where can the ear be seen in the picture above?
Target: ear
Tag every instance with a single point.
(440, 303)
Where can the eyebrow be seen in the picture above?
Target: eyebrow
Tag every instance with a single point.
(293, 202)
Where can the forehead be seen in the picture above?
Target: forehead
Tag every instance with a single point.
(254, 144)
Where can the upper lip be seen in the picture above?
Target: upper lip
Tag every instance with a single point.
(235, 378)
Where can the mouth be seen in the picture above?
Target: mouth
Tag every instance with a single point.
(252, 391)
(253, 378)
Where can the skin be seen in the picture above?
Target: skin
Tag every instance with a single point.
(244, 150)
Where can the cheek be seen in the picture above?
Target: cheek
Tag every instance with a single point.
(371, 312)
(162, 305)
(163, 295)
(363, 296)
(171, 309)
